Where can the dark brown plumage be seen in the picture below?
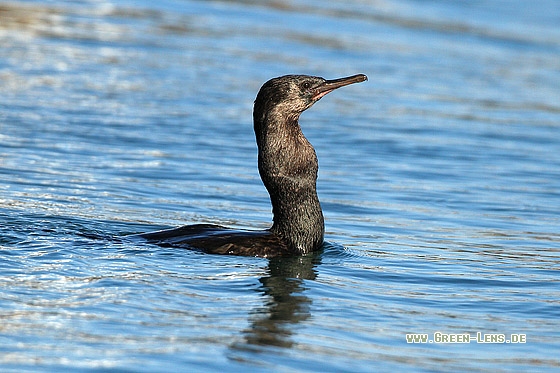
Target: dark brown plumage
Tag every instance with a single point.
(288, 168)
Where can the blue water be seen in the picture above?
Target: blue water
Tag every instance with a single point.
(439, 180)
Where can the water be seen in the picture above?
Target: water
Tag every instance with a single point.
(439, 179)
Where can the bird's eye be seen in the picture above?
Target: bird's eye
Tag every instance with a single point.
(306, 85)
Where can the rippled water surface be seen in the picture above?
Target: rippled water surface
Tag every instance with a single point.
(439, 180)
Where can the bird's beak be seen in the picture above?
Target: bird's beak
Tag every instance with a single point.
(330, 85)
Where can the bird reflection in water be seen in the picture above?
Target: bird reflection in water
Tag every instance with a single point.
(286, 304)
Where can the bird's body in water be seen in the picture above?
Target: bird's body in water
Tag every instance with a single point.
(288, 168)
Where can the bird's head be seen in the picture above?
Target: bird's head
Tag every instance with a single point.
(293, 94)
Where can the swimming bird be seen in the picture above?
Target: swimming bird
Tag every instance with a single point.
(288, 168)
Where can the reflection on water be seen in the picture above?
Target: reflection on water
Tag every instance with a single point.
(286, 303)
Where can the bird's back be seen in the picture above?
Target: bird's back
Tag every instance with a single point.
(215, 239)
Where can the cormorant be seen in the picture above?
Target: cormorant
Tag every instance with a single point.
(288, 168)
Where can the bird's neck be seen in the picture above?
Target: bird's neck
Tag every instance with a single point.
(288, 167)
(300, 222)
